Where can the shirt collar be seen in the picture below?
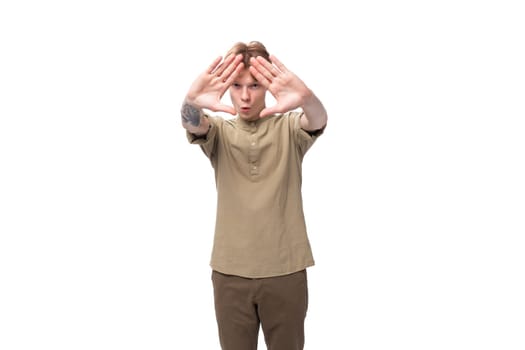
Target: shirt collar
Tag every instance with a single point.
(245, 124)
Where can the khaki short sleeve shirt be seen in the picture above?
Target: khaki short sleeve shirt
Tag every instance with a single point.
(260, 228)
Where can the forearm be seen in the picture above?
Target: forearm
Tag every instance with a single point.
(315, 116)
(193, 119)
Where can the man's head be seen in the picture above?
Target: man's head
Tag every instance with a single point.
(247, 95)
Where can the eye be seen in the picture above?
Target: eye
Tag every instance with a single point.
(254, 86)
(236, 85)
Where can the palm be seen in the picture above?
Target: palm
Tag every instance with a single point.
(208, 92)
(209, 87)
(289, 91)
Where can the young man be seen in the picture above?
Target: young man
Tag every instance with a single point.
(261, 249)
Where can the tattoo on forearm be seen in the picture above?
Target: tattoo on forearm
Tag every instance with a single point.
(190, 114)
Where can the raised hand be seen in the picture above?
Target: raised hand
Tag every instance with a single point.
(289, 91)
(209, 87)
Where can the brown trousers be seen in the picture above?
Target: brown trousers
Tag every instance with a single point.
(278, 304)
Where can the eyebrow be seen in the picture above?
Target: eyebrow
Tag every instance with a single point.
(250, 83)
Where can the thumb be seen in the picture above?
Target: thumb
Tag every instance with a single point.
(225, 108)
(268, 111)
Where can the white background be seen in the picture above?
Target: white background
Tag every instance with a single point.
(414, 197)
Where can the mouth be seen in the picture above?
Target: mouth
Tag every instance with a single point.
(245, 109)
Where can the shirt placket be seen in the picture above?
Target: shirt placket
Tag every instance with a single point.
(253, 154)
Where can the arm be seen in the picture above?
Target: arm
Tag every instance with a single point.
(207, 91)
(315, 116)
(193, 119)
(290, 93)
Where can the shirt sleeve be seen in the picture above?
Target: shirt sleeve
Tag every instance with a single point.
(208, 142)
(303, 138)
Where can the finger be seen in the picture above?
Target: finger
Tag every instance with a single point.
(261, 70)
(225, 108)
(233, 69)
(227, 61)
(268, 111)
(230, 77)
(213, 66)
(259, 77)
(278, 63)
(268, 66)
(264, 113)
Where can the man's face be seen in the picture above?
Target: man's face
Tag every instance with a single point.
(248, 96)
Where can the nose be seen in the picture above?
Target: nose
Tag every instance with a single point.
(245, 96)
